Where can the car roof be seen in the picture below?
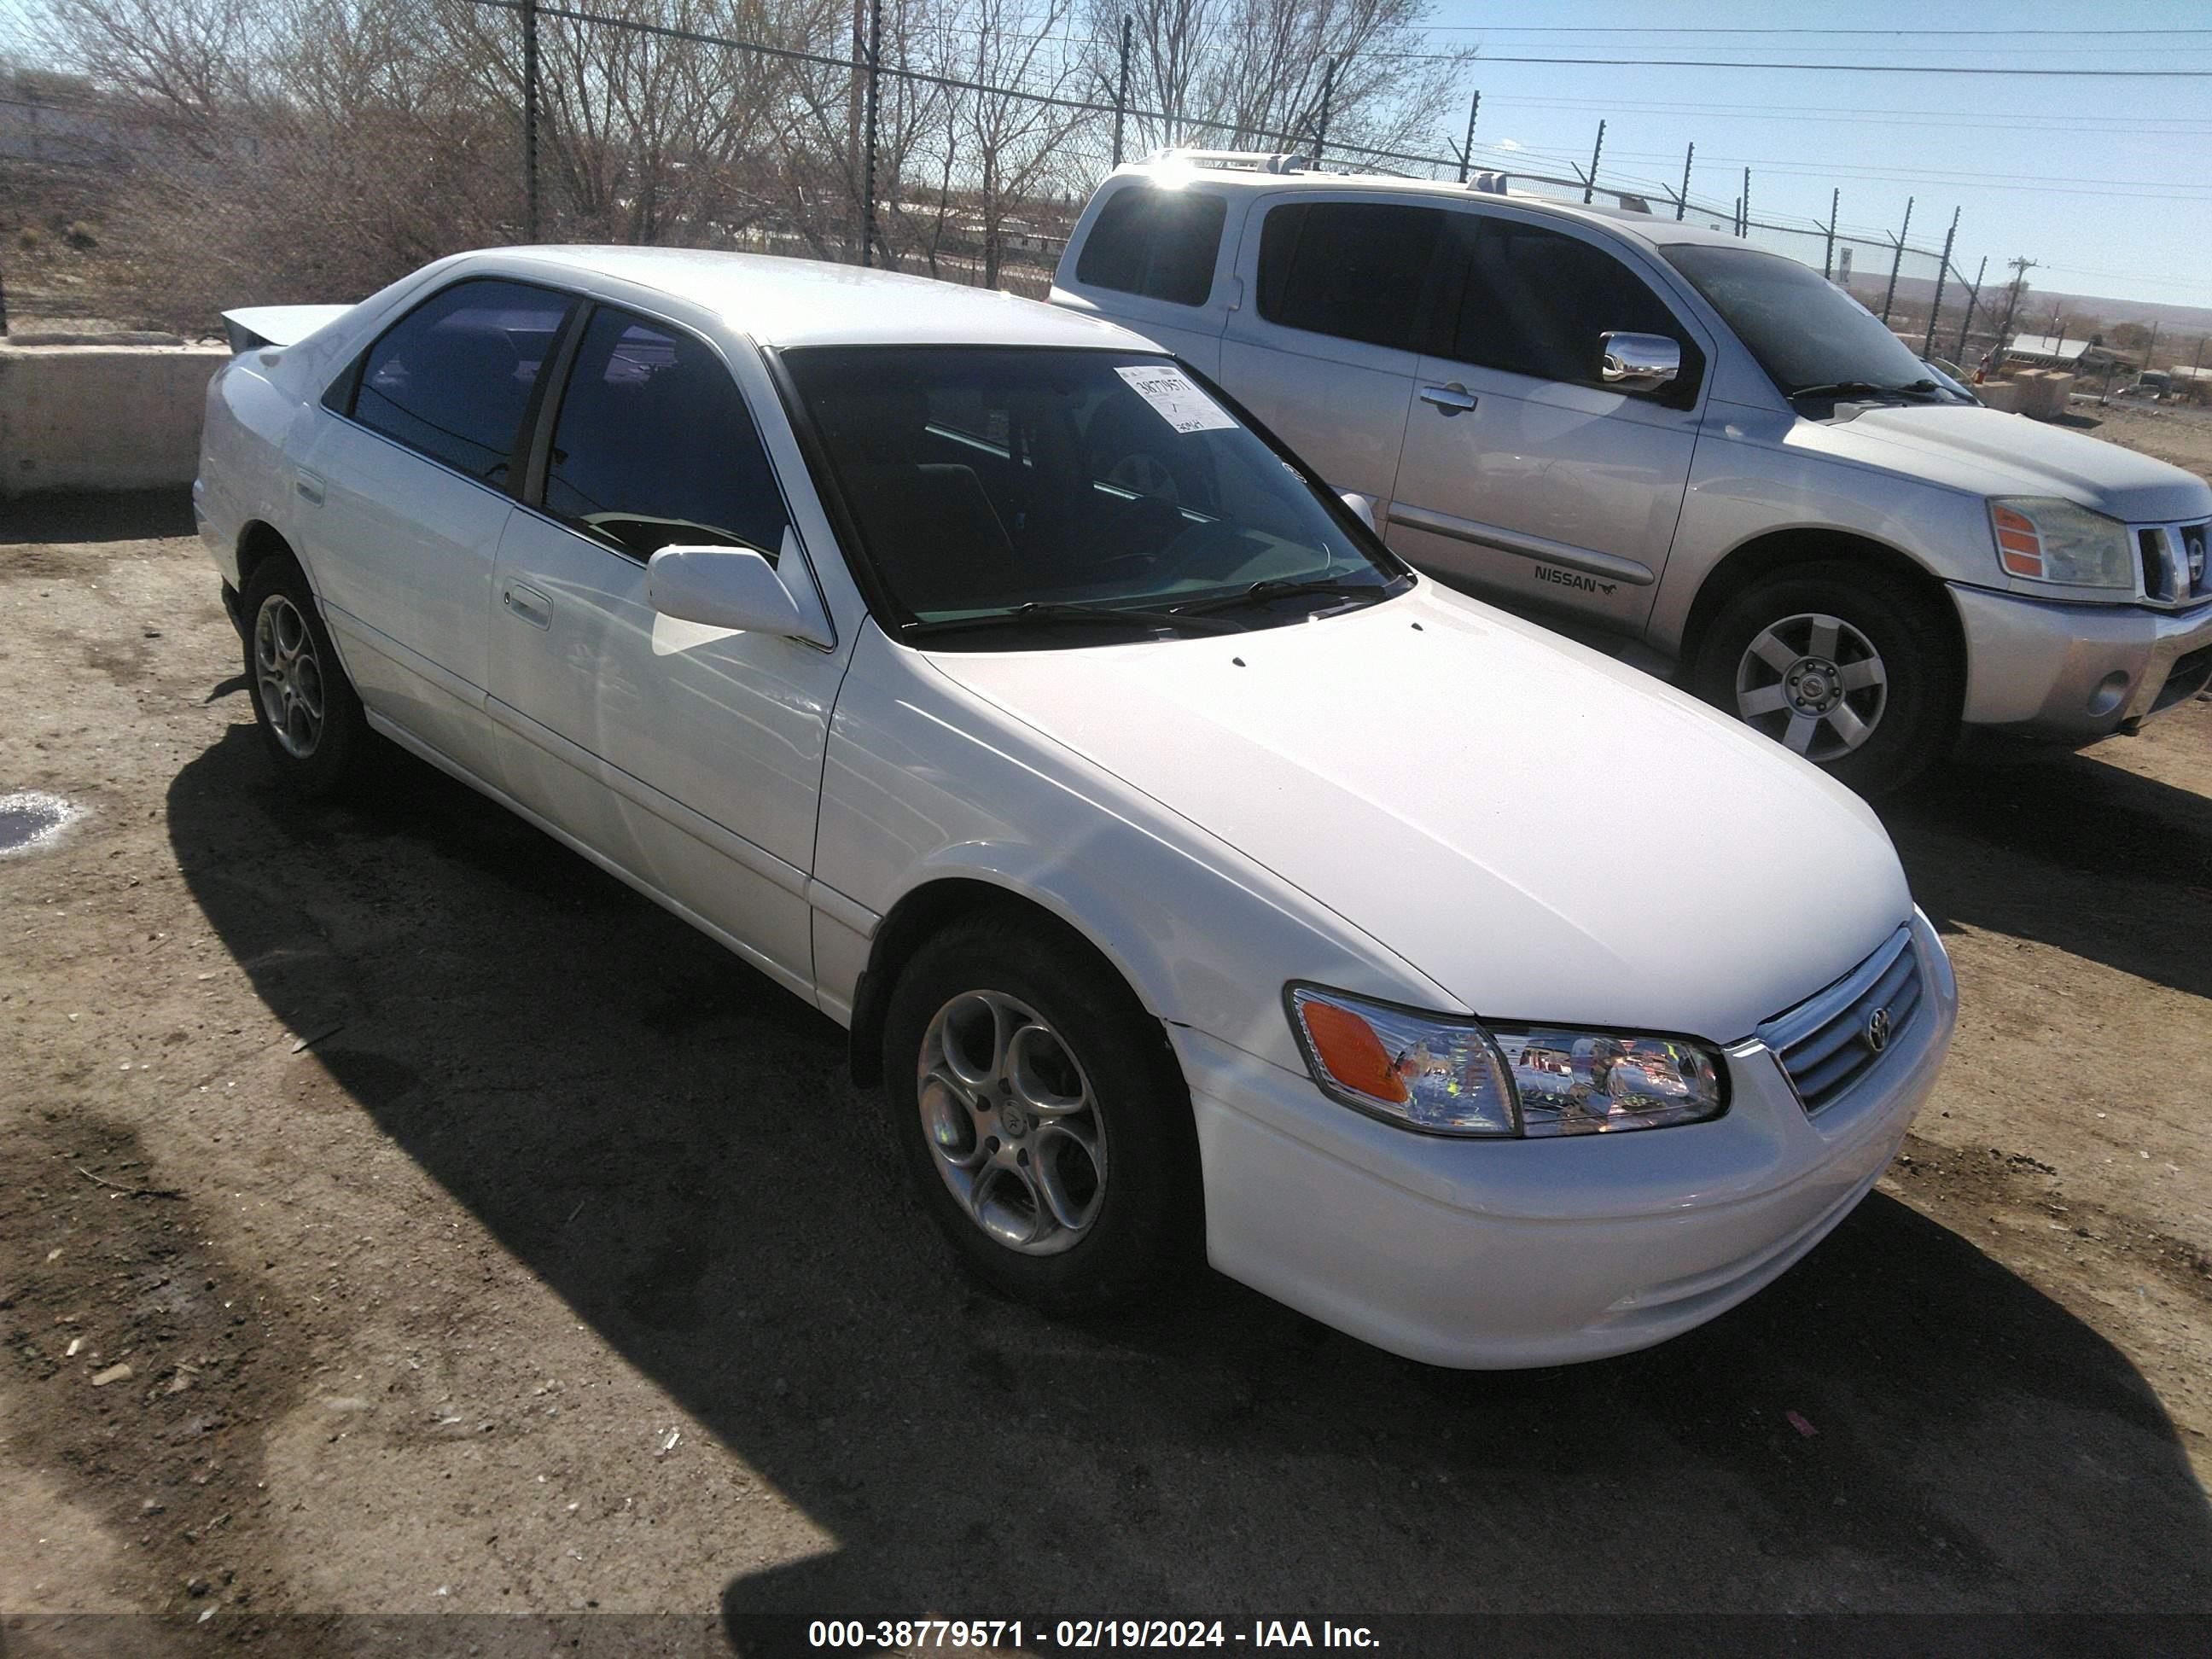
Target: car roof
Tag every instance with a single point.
(1647, 228)
(782, 301)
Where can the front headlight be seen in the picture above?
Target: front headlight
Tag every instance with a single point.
(1455, 1077)
(2055, 541)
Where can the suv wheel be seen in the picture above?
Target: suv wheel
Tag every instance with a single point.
(1845, 665)
(1040, 1115)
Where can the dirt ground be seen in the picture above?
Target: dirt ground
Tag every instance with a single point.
(479, 1240)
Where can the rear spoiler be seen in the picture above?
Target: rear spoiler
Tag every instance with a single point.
(276, 325)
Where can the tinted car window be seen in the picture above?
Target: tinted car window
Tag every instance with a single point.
(654, 448)
(1803, 328)
(1354, 270)
(453, 377)
(1536, 302)
(1159, 243)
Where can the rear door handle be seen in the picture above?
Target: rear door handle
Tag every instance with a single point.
(1450, 400)
(527, 603)
(310, 486)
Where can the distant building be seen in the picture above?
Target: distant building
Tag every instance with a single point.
(2054, 351)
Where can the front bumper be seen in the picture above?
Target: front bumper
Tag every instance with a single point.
(1500, 1254)
(2077, 672)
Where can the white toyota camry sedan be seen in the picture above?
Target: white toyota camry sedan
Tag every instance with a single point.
(1193, 875)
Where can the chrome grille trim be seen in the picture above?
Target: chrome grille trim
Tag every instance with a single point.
(2175, 571)
(1821, 1042)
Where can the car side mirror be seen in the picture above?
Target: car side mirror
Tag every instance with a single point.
(1639, 362)
(727, 587)
(1363, 507)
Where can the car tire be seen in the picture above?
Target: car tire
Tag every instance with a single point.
(309, 715)
(1847, 665)
(1042, 1116)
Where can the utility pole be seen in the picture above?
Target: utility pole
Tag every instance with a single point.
(2020, 268)
(1590, 184)
(1467, 150)
(1682, 201)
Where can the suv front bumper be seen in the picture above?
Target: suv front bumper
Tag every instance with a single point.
(2077, 672)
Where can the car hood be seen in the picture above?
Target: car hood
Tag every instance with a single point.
(1541, 832)
(1988, 452)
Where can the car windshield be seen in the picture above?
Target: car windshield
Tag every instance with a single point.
(1813, 338)
(1014, 489)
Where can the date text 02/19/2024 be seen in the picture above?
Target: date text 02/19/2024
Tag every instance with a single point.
(906, 1634)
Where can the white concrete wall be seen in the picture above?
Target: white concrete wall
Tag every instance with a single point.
(101, 416)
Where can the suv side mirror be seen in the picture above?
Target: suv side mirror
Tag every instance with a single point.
(1363, 507)
(727, 587)
(1639, 362)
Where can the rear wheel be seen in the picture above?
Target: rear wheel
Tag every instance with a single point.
(1843, 665)
(309, 718)
(1042, 1116)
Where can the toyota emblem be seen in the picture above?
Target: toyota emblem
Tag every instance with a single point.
(1877, 1029)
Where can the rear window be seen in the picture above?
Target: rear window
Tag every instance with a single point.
(1159, 243)
(1355, 269)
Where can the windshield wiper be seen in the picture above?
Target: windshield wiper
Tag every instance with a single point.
(1276, 587)
(1049, 613)
(1866, 389)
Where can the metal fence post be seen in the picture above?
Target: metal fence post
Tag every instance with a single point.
(1590, 184)
(1467, 150)
(1743, 223)
(1973, 299)
(530, 120)
(1928, 345)
(1682, 201)
(1828, 259)
(1320, 129)
(1121, 91)
(868, 186)
(1897, 260)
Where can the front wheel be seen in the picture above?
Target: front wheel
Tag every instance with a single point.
(1846, 665)
(1040, 1115)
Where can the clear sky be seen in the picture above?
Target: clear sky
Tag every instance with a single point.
(2106, 182)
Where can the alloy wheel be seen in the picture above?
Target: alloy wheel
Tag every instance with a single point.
(288, 675)
(1012, 1123)
(1814, 682)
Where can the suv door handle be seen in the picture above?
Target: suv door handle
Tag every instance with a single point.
(527, 603)
(1450, 400)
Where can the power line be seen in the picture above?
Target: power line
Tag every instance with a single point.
(1609, 28)
(1829, 69)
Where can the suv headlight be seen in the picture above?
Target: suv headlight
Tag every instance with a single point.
(2055, 541)
(1455, 1077)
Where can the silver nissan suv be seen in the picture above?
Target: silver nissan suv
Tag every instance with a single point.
(1637, 428)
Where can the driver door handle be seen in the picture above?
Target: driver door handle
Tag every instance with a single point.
(1450, 400)
(527, 603)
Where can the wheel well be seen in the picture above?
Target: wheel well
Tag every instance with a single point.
(916, 918)
(1765, 554)
(256, 542)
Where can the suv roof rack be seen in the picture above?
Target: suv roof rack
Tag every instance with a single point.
(1238, 161)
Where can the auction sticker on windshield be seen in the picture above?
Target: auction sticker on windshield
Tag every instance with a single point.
(1180, 404)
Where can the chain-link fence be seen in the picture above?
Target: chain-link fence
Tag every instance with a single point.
(949, 139)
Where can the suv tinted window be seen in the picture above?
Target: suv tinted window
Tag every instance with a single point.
(453, 377)
(1536, 302)
(1352, 269)
(654, 448)
(1159, 243)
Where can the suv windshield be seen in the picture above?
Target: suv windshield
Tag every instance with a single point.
(1808, 334)
(1015, 490)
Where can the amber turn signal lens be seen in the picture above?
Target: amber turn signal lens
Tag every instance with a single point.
(1347, 1046)
(2019, 546)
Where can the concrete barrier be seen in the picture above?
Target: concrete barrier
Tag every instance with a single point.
(98, 417)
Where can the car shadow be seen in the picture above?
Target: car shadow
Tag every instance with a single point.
(83, 516)
(669, 1142)
(2066, 850)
